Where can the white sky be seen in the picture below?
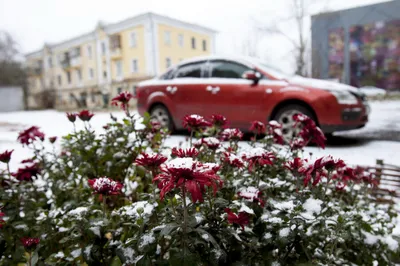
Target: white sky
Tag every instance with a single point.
(33, 22)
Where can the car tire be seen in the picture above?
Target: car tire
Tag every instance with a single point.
(161, 114)
(284, 116)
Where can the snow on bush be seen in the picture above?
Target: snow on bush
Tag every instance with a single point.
(114, 198)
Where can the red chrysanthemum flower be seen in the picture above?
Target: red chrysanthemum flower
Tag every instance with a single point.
(275, 129)
(240, 219)
(231, 134)
(2, 222)
(85, 115)
(106, 127)
(29, 135)
(122, 100)
(26, 173)
(232, 160)
(182, 153)
(297, 144)
(211, 142)
(252, 194)
(105, 186)
(258, 156)
(329, 163)
(219, 120)
(150, 161)
(188, 175)
(195, 122)
(30, 243)
(5, 157)
(72, 117)
(257, 127)
(294, 165)
(310, 132)
(28, 161)
(52, 139)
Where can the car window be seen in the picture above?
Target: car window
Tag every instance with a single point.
(227, 69)
(168, 75)
(190, 70)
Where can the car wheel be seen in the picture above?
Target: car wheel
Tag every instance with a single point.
(285, 117)
(161, 114)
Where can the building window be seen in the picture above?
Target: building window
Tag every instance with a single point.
(180, 40)
(50, 62)
(89, 51)
(105, 74)
(69, 77)
(133, 39)
(79, 75)
(135, 68)
(134, 90)
(118, 68)
(103, 47)
(204, 45)
(93, 96)
(59, 80)
(193, 43)
(91, 73)
(119, 90)
(71, 98)
(167, 62)
(167, 38)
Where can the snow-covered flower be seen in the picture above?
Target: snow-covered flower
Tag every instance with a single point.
(26, 173)
(275, 129)
(241, 219)
(29, 135)
(211, 142)
(122, 99)
(231, 134)
(52, 139)
(5, 157)
(195, 122)
(257, 127)
(182, 153)
(297, 143)
(232, 160)
(105, 186)
(219, 120)
(189, 175)
(150, 160)
(258, 157)
(85, 115)
(252, 194)
(309, 132)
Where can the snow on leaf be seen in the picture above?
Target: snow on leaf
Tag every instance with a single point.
(284, 232)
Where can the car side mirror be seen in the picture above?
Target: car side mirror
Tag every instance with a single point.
(252, 75)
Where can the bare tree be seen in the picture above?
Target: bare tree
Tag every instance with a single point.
(295, 21)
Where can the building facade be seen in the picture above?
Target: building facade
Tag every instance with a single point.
(87, 71)
(358, 46)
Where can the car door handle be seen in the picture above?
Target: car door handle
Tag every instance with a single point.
(212, 89)
(172, 90)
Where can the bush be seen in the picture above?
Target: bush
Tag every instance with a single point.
(122, 198)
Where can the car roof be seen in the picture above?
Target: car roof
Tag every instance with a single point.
(240, 59)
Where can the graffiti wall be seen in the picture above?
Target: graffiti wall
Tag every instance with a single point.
(336, 54)
(375, 55)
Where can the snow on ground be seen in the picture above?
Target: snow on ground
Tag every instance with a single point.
(384, 117)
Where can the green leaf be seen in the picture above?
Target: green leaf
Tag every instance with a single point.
(116, 261)
(35, 258)
(209, 237)
(168, 229)
(340, 219)
(221, 203)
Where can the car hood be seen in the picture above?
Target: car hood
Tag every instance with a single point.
(322, 84)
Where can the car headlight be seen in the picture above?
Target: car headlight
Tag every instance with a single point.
(344, 97)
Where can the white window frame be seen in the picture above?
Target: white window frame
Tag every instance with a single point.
(181, 41)
(121, 72)
(167, 37)
(133, 39)
(89, 51)
(168, 64)
(135, 62)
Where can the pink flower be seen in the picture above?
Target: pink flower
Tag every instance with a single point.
(188, 175)
(5, 157)
(211, 142)
(258, 127)
(275, 129)
(219, 120)
(195, 122)
(29, 135)
(182, 153)
(258, 156)
(30, 243)
(72, 117)
(251, 194)
(150, 161)
(122, 100)
(85, 115)
(231, 134)
(52, 139)
(26, 173)
(232, 160)
(310, 131)
(105, 186)
(240, 219)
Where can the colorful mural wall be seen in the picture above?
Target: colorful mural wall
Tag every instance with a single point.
(336, 54)
(375, 55)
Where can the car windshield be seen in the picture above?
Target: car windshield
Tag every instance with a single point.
(277, 73)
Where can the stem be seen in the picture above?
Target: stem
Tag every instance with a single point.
(104, 207)
(8, 169)
(30, 258)
(191, 137)
(185, 214)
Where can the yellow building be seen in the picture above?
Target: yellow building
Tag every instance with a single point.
(88, 70)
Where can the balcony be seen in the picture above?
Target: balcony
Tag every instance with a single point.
(116, 53)
(115, 44)
(75, 61)
(66, 63)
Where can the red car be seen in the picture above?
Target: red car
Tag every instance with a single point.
(247, 89)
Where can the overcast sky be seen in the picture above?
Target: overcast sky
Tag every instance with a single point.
(33, 22)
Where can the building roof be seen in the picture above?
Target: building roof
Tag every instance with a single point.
(126, 23)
